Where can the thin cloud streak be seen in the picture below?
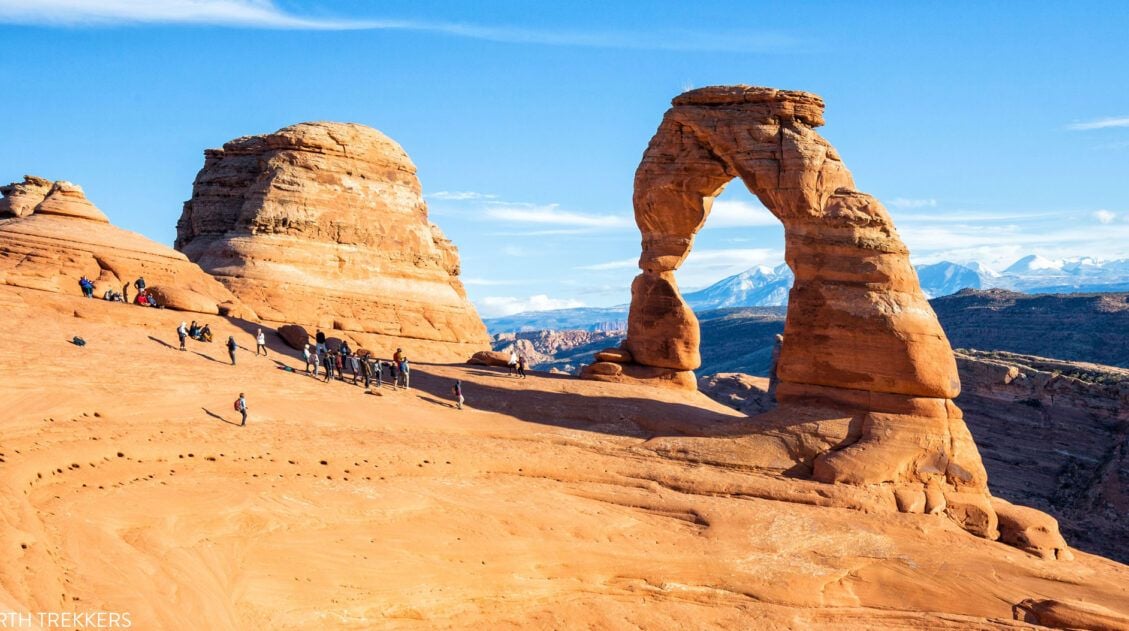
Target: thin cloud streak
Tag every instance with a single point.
(266, 14)
(1101, 123)
(551, 214)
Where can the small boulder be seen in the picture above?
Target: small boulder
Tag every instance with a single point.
(973, 511)
(295, 335)
(181, 299)
(618, 355)
(1030, 530)
(489, 358)
(605, 368)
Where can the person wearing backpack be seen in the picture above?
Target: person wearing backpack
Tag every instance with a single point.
(182, 333)
(260, 343)
(457, 390)
(241, 407)
(231, 346)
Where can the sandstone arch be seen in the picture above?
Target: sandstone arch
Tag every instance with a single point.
(860, 336)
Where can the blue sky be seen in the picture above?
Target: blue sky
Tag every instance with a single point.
(990, 130)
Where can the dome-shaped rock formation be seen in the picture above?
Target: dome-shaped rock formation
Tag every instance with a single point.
(324, 224)
(51, 235)
(860, 337)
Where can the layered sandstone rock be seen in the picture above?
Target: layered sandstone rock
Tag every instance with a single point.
(323, 224)
(860, 336)
(51, 235)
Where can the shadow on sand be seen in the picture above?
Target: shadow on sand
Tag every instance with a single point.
(218, 417)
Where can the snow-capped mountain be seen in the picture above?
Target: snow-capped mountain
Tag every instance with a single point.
(944, 278)
(760, 286)
(763, 286)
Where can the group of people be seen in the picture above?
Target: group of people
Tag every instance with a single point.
(196, 332)
(516, 364)
(362, 367)
(144, 297)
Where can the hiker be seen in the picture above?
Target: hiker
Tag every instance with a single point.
(394, 371)
(345, 350)
(521, 366)
(457, 390)
(194, 330)
(260, 343)
(316, 359)
(206, 333)
(241, 407)
(87, 287)
(306, 356)
(139, 284)
(320, 337)
(366, 371)
(355, 365)
(378, 372)
(405, 372)
(231, 346)
(512, 364)
(339, 365)
(398, 356)
(329, 362)
(182, 333)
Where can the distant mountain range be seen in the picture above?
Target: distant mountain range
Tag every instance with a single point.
(764, 286)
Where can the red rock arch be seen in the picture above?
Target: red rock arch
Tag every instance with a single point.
(860, 336)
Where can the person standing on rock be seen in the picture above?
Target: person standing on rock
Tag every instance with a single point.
(457, 390)
(260, 343)
(521, 366)
(241, 407)
(329, 363)
(405, 373)
(378, 372)
(777, 347)
(316, 359)
(306, 356)
(182, 333)
(320, 339)
(366, 371)
(231, 346)
(339, 365)
(355, 366)
(139, 284)
(512, 364)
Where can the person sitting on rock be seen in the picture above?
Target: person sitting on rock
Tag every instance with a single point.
(142, 299)
(108, 295)
(206, 333)
(194, 330)
(139, 284)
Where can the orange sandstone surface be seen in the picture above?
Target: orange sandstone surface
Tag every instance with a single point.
(550, 502)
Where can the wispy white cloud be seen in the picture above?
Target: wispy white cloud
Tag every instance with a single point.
(1105, 216)
(552, 214)
(267, 14)
(457, 196)
(1100, 123)
(497, 306)
(736, 213)
(632, 263)
(903, 202)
